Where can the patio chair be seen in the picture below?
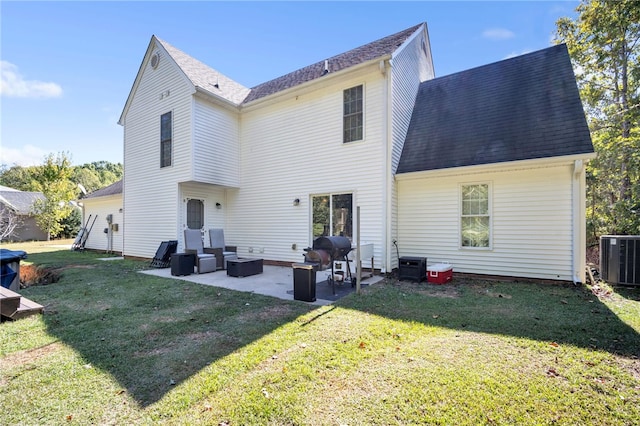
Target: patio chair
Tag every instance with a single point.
(225, 252)
(205, 260)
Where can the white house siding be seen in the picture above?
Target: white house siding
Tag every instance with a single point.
(293, 149)
(216, 150)
(151, 192)
(99, 208)
(214, 217)
(531, 215)
(411, 65)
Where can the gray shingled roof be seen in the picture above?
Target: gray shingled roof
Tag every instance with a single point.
(113, 189)
(20, 201)
(384, 46)
(521, 108)
(205, 77)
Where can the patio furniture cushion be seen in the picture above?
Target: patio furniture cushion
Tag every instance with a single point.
(205, 262)
(226, 253)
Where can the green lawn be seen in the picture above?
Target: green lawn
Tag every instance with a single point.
(118, 347)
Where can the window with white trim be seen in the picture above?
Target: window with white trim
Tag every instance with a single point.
(166, 136)
(332, 215)
(353, 114)
(475, 217)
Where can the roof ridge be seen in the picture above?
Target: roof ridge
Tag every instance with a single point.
(355, 56)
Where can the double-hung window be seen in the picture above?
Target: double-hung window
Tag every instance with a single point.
(475, 218)
(166, 136)
(353, 114)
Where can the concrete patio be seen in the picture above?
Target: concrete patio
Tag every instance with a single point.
(275, 281)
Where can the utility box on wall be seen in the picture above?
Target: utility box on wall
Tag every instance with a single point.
(620, 259)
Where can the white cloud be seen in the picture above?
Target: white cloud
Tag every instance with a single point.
(14, 85)
(27, 155)
(498, 34)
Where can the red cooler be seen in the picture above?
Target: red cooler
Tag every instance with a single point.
(439, 273)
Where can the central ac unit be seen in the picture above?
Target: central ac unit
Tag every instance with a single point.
(620, 259)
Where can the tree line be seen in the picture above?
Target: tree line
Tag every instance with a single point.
(62, 184)
(604, 45)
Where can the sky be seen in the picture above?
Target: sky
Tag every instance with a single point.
(67, 67)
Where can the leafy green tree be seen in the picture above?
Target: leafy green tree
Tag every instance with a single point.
(96, 175)
(71, 224)
(17, 177)
(53, 179)
(604, 45)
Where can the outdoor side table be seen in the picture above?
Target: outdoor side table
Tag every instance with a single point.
(182, 263)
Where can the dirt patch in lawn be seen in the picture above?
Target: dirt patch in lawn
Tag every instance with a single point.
(21, 358)
(31, 275)
(432, 290)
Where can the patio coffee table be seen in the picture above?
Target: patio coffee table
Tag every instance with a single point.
(244, 267)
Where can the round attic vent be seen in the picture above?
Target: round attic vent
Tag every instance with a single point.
(155, 60)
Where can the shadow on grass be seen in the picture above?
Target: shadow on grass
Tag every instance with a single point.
(560, 313)
(150, 333)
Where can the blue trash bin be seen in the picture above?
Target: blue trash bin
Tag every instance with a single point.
(10, 268)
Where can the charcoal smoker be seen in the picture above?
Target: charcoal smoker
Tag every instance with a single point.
(327, 250)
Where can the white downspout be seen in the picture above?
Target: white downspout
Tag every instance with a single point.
(385, 68)
(579, 231)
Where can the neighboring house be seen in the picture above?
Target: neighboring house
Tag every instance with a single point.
(102, 214)
(20, 203)
(289, 160)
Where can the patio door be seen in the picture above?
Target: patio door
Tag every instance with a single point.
(332, 215)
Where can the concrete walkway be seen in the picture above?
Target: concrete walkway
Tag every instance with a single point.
(275, 281)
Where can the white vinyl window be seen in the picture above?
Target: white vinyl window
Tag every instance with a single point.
(166, 137)
(353, 114)
(475, 217)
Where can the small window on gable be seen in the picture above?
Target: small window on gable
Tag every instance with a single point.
(475, 218)
(166, 136)
(353, 114)
(195, 213)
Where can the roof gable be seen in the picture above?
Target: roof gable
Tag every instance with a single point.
(521, 108)
(205, 77)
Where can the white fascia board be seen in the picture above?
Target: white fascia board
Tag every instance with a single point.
(212, 97)
(503, 166)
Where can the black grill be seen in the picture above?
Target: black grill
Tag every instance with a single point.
(325, 251)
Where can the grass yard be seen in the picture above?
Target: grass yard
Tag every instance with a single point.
(118, 347)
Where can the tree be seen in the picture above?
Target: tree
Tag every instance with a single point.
(9, 222)
(17, 177)
(96, 175)
(53, 179)
(604, 46)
